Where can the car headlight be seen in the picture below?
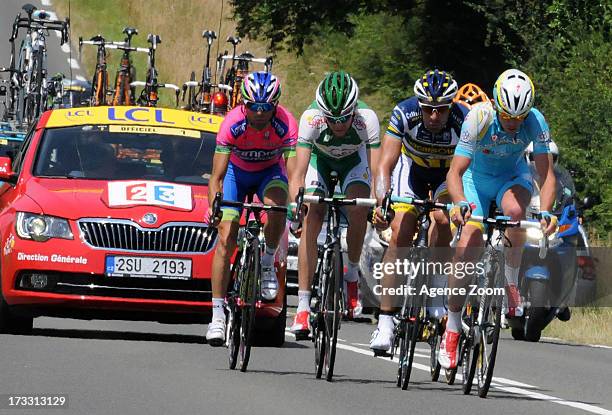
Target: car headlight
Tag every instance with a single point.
(41, 228)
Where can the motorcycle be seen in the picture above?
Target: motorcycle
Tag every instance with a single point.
(547, 284)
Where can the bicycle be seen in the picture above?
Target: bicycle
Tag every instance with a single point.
(327, 287)
(149, 95)
(99, 84)
(481, 320)
(238, 70)
(202, 99)
(124, 92)
(244, 297)
(413, 323)
(33, 58)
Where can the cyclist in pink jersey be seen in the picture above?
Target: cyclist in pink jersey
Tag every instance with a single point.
(255, 148)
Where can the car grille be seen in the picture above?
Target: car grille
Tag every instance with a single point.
(126, 235)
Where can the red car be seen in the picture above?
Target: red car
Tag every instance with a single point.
(102, 216)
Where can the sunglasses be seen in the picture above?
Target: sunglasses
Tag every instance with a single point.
(429, 109)
(260, 106)
(339, 120)
(507, 117)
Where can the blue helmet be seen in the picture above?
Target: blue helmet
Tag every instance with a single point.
(261, 87)
(435, 87)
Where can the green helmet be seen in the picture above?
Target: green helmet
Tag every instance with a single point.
(337, 94)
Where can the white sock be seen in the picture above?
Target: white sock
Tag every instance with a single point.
(512, 275)
(218, 308)
(267, 259)
(385, 321)
(352, 272)
(454, 321)
(304, 301)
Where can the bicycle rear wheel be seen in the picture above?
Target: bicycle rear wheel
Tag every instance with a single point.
(333, 314)
(249, 298)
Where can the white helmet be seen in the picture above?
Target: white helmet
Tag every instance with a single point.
(554, 150)
(513, 93)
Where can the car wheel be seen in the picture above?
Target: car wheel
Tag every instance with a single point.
(273, 333)
(11, 323)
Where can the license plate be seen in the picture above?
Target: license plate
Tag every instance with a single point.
(148, 267)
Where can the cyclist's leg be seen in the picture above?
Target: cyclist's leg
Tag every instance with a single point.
(355, 183)
(466, 251)
(403, 227)
(273, 191)
(513, 198)
(226, 244)
(307, 250)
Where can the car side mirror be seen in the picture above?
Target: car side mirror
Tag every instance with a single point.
(6, 170)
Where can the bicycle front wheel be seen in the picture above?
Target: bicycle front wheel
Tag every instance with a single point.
(489, 339)
(333, 310)
(249, 301)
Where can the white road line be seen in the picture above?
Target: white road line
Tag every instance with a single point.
(557, 340)
(74, 64)
(46, 3)
(511, 389)
(52, 15)
(65, 48)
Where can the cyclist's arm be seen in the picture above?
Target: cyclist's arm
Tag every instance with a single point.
(215, 183)
(372, 143)
(391, 150)
(454, 177)
(297, 175)
(544, 167)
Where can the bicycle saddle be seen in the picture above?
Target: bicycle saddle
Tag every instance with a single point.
(29, 8)
(234, 40)
(209, 34)
(130, 31)
(153, 39)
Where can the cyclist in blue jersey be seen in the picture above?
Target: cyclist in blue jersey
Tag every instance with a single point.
(489, 165)
(417, 151)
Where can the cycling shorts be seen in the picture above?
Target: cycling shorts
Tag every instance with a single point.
(238, 183)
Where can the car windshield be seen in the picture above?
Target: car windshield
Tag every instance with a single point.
(122, 152)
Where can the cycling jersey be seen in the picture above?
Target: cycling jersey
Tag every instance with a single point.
(254, 150)
(498, 161)
(427, 149)
(347, 155)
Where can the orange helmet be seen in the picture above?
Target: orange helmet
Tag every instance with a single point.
(470, 94)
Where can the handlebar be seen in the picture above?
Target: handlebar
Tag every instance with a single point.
(196, 84)
(246, 59)
(219, 202)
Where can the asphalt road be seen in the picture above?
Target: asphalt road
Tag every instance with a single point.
(112, 367)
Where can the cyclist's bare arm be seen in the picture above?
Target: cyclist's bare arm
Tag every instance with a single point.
(298, 175)
(373, 155)
(215, 183)
(454, 178)
(389, 154)
(544, 166)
